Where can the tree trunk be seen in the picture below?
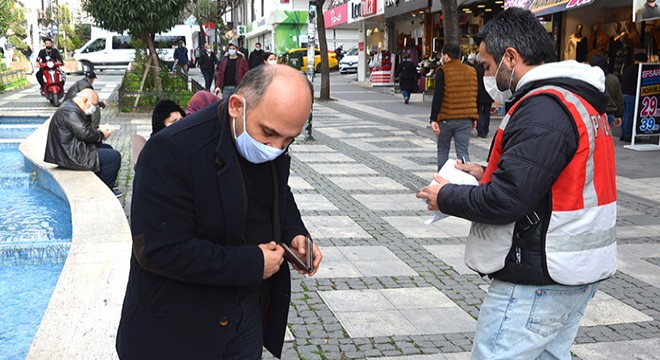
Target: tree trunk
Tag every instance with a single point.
(153, 64)
(323, 48)
(450, 21)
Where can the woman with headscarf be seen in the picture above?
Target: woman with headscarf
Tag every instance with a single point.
(200, 100)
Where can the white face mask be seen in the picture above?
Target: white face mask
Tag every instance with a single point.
(272, 62)
(490, 84)
(232, 52)
(90, 110)
(252, 150)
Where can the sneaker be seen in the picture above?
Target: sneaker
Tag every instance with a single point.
(406, 101)
(117, 193)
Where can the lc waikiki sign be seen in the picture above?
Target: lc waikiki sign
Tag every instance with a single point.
(544, 7)
(352, 11)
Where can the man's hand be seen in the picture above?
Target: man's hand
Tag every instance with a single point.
(106, 133)
(616, 122)
(471, 168)
(217, 92)
(273, 258)
(435, 127)
(299, 245)
(430, 193)
(474, 124)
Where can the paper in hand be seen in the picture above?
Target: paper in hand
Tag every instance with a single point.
(452, 174)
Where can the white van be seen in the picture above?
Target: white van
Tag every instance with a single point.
(109, 50)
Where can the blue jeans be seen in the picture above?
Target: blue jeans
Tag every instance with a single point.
(628, 113)
(529, 322)
(459, 130)
(228, 91)
(110, 161)
(406, 94)
(208, 79)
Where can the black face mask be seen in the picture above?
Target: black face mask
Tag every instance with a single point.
(49, 47)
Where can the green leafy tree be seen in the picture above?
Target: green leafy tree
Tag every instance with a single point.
(83, 32)
(6, 9)
(205, 11)
(142, 19)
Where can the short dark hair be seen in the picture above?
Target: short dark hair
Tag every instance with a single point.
(519, 29)
(162, 111)
(452, 50)
(258, 43)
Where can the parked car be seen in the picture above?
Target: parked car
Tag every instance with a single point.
(291, 56)
(350, 61)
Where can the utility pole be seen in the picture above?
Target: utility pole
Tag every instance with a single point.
(311, 40)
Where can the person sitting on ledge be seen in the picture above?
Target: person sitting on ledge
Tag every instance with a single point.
(73, 144)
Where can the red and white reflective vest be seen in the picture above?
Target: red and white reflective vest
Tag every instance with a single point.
(580, 244)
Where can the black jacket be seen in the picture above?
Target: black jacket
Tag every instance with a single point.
(78, 86)
(190, 262)
(71, 141)
(539, 141)
(53, 53)
(208, 62)
(482, 96)
(407, 75)
(256, 58)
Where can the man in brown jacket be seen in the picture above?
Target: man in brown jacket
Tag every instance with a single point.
(454, 109)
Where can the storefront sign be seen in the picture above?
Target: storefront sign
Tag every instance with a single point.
(400, 7)
(544, 7)
(647, 116)
(363, 8)
(336, 16)
(352, 11)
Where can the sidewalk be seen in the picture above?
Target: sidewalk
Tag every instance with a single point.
(391, 287)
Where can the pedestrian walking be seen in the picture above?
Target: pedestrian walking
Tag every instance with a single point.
(544, 214)
(207, 63)
(256, 56)
(484, 102)
(454, 111)
(406, 73)
(613, 90)
(269, 58)
(629, 80)
(231, 69)
(181, 58)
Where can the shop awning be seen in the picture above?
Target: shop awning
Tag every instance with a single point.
(437, 6)
(545, 7)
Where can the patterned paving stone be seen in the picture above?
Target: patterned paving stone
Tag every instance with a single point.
(647, 349)
(314, 202)
(362, 261)
(366, 183)
(334, 227)
(322, 157)
(342, 169)
(414, 226)
(391, 202)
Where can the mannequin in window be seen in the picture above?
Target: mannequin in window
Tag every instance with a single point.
(614, 45)
(598, 41)
(576, 46)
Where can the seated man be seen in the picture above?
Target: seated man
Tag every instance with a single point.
(87, 83)
(73, 144)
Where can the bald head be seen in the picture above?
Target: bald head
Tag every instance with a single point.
(86, 98)
(277, 100)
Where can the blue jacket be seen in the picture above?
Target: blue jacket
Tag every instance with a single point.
(189, 262)
(181, 55)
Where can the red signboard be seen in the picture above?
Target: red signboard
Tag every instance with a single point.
(544, 7)
(336, 16)
(361, 46)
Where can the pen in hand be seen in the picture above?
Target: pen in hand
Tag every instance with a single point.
(463, 160)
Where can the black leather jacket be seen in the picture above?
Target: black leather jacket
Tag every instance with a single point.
(71, 141)
(79, 86)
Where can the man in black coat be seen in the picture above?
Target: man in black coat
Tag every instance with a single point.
(207, 62)
(87, 82)
(210, 210)
(72, 142)
(256, 56)
(484, 102)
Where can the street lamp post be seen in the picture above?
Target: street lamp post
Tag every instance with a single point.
(311, 40)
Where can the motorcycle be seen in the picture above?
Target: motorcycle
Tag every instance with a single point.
(54, 80)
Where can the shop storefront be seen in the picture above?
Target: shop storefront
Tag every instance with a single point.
(281, 31)
(409, 22)
(366, 19)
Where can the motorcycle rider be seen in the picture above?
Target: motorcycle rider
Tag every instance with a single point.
(48, 52)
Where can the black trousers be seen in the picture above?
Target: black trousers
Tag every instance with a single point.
(110, 160)
(484, 119)
(208, 79)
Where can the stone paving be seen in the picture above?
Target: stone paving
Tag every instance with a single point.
(392, 287)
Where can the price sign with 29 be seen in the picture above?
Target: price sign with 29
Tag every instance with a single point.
(648, 114)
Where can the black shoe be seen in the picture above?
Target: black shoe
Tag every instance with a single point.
(117, 193)
(405, 101)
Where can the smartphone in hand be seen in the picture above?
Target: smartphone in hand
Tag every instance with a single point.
(306, 264)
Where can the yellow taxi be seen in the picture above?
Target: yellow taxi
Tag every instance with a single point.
(291, 57)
